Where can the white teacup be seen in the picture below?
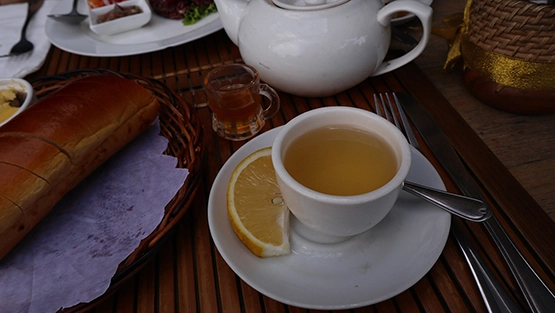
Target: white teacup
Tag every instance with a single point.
(340, 216)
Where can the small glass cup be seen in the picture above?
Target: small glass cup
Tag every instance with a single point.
(235, 99)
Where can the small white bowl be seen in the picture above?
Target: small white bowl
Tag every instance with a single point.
(122, 24)
(18, 84)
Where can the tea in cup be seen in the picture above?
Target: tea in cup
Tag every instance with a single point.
(235, 96)
(340, 169)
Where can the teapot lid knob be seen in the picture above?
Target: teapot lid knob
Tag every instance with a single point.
(307, 5)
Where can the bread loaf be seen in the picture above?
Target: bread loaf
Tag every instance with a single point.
(52, 146)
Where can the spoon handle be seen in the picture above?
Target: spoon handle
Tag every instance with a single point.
(74, 7)
(34, 6)
(464, 207)
(30, 14)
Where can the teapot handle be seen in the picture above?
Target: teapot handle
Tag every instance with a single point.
(384, 16)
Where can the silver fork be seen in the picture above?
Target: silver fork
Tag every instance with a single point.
(468, 208)
(496, 298)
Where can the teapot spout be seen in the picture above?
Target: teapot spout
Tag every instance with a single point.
(231, 13)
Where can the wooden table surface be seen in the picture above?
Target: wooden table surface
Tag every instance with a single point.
(511, 156)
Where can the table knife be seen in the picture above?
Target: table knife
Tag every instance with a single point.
(538, 296)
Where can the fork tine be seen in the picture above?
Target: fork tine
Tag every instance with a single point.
(386, 111)
(394, 117)
(383, 111)
(387, 106)
(378, 110)
(408, 130)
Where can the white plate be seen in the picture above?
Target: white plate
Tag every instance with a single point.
(158, 34)
(364, 270)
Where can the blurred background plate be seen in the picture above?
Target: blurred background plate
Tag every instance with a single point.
(158, 34)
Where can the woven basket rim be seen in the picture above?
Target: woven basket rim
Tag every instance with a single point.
(180, 124)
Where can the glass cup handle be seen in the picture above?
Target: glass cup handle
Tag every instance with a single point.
(273, 97)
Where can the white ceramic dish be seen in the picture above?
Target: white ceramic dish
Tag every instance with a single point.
(158, 34)
(18, 84)
(369, 268)
(122, 24)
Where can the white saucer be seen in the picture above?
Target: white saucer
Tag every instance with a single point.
(158, 34)
(369, 268)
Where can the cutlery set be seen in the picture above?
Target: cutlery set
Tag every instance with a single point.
(538, 296)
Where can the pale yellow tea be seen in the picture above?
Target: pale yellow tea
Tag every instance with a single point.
(340, 161)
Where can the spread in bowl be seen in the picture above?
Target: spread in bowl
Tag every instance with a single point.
(15, 96)
(119, 17)
(118, 12)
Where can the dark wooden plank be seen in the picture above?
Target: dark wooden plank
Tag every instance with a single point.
(251, 298)
(125, 297)
(453, 299)
(185, 273)
(385, 306)
(406, 302)
(166, 277)
(146, 288)
(271, 305)
(427, 297)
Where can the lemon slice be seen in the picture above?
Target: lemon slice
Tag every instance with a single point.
(255, 207)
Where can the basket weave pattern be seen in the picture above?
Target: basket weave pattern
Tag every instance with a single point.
(180, 124)
(513, 28)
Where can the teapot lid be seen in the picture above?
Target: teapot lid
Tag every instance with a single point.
(307, 5)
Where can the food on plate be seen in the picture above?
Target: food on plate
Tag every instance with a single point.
(190, 11)
(255, 207)
(10, 101)
(118, 12)
(52, 146)
(197, 13)
(100, 3)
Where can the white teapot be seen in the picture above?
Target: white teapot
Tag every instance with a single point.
(318, 47)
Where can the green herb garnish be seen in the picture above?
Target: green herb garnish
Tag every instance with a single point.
(196, 13)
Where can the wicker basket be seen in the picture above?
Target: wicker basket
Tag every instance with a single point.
(508, 48)
(180, 124)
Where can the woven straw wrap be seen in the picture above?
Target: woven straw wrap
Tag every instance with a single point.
(514, 28)
(508, 53)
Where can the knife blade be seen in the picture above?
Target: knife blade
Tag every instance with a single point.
(538, 296)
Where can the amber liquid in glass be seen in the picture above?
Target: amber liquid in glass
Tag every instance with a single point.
(237, 112)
